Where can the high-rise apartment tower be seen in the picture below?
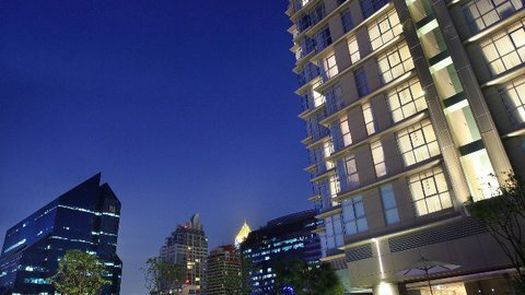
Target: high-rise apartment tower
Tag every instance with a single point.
(412, 108)
(188, 247)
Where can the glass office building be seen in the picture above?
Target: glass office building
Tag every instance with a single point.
(412, 108)
(85, 218)
(287, 237)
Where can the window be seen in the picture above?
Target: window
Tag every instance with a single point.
(406, 100)
(370, 6)
(513, 95)
(360, 82)
(334, 231)
(480, 14)
(323, 39)
(353, 48)
(417, 143)
(395, 62)
(310, 71)
(335, 186)
(350, 167)
(328, 149)
(354, 215)
(505, 50)
(330, 66)
(388, 199)
(346, 136)
(334, 96)
(346, 19)
(369, 118)
(318, 98)
(429, 191)
(384, 29)
(378, 157)
(480, 175)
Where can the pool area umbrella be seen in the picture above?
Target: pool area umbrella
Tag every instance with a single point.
(425, 267)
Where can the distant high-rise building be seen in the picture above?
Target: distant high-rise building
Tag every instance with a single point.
(412, 108)
(242, 235)
(224, 271)
(287, 237)
(188, 247)
(85, 218)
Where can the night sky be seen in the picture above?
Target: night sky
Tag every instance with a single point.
(184, 106)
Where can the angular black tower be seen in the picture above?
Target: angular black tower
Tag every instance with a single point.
(86, 218)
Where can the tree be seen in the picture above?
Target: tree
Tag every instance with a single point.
(295, 277)
(162, 277)
(79, 273)
(504, 216)
(246, 269)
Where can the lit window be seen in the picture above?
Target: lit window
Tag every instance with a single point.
(346, 136)
(330, 66)
(318, 98)
(480, 175)
(429, 191)
(388, 199)
(406, 100)
(354, 215)
(328, 148)
(505, 50)
(481, 14)
(350, 167)
(378, 157)
(369, 118)
(395, 62)
(335, 186)
(513, 95)
(360, 82)
(353, 48)
(384, 29)
(417, 143)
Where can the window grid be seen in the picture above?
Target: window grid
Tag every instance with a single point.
(352, 176)
(417, 143)
(354, 215)
(388, 199)
(353, 48)
(429, 191)
(395, 62)
(513, 95)
(344, 126)
(346, 19)
(330, 66)
(505, 50)
(406, 100)
(481, 14)
(334, 97)
(335, 186)
(328, 149)
(384, 29)
(323, 39)
(368, 7)
(360, 82)
(369, 118)
(378, 158)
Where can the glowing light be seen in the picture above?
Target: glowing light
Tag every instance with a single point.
(243, 234)
(379, 258)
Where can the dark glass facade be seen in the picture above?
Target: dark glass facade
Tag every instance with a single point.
(287, 237)
(85, 218)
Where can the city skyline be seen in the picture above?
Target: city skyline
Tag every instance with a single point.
(96, 87)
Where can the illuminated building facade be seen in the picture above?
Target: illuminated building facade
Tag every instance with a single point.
(188, 247)
(412, 107)
(224, 271)
(287, 237)
(242, 235)
(85, 218)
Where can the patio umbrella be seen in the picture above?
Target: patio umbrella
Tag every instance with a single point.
(425, 267)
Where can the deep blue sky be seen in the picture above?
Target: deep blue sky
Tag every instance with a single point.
(184, 106)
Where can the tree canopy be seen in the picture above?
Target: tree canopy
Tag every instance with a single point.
(79, 273)
(295, 277)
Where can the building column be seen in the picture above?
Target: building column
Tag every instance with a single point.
(386, 288)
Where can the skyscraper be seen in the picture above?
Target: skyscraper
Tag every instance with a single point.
(242, 235)
(188, 247)
(85, 218)
(224, 271)
(287, 237)
(412, 107)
